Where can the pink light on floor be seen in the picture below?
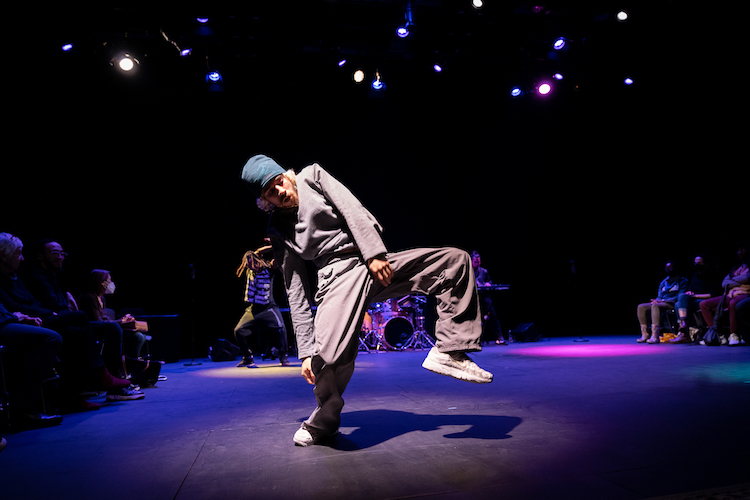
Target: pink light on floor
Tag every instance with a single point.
(591, 350)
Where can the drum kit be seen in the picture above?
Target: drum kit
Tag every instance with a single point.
(395, 325)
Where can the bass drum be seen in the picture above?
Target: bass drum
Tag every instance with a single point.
(397, 331)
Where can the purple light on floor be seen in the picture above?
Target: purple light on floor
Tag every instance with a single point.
(590, 351)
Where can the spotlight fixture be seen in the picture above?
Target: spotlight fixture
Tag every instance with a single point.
(214, 77)
(477, 4)
(67, 47)
(341, 63)
(559, 44)
(186, 52)
(403, 30)
(558, 76)
(358, 76)
(622, 16)
(437, 68)
(516, 92)
(628, 81)
(544, 89)
(124, 62)
(202, 20)
(377, 83)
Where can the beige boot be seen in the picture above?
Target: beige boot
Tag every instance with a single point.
(644, 334)
(654, 335)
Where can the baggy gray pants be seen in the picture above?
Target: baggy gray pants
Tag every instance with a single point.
(345, 290)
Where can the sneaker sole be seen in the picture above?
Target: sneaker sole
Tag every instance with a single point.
(453, 372)
(125, 398)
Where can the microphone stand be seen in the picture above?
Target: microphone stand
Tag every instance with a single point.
(192, 316)
(575, 303)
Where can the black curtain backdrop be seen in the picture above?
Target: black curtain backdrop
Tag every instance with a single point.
(141, 176)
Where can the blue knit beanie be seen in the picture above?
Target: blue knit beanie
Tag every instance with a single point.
(259, 171)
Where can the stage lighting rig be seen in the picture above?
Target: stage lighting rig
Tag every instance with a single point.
(125, 62)
(403, 30)
(377, 83)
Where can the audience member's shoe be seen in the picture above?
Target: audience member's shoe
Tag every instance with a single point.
(125, 394)
(724, 339)
(457, 365)
(734, 339)
(501, 342)
(248, 362)
(284, 360)
(103, 379)
(681, 338)
(27, 419)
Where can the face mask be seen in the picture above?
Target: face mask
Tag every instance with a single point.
(110, 288)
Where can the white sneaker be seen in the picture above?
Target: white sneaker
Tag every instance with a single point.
(724, 340)
(303, 437)
(457, 365)
(734, 339)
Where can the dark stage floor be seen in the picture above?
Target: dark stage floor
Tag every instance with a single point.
(605, 419)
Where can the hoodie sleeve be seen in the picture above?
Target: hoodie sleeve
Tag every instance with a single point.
(364, 228)
(297, 286)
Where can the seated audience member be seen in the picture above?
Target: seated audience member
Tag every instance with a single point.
(669, 289)
(93, 303)
(737, 284)
(703, 284)
(742, 313)
(42, 278)
(79, 355)
(30, 360)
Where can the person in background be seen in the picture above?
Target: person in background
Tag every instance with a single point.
(81, 363)
(94, 304)
(261, 313)
(666, 297)
(737, 284)
(42, 278)
(490, 324)
(703, 284)
(30, 359)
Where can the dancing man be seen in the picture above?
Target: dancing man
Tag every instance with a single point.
(316, 218)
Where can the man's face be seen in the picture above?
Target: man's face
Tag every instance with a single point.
(281, 192)
(476, 261)
(53, 255)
